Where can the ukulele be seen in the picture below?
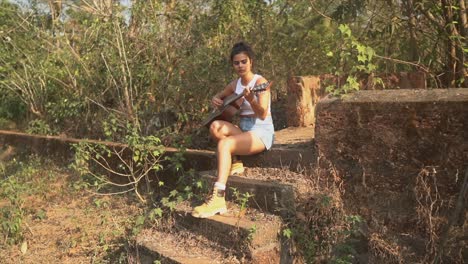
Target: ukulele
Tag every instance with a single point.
(231, 105)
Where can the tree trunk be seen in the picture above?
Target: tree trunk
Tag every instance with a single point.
(302, 98)
(456, 71)
(463, 18)
(464, 33)
(414, 50)
(451, 64)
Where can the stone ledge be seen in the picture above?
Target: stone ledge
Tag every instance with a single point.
(295, 152)
(169, 248)
(402, 96)
(269, 197)
(236, 227)
(61, 148)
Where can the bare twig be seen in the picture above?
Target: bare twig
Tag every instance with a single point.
(459, 208)
(107, 167)
(417, 65)
(428, 199)
(109, 194)
(105, 108)
(318, 11)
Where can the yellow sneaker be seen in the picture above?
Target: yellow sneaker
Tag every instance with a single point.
(216, 205)
(237, 167)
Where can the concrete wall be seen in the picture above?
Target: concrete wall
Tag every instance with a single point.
(397, 152)
(60, 148)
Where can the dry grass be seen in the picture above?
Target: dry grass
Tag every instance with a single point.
(384, 251)
(62, 224)
(320, 223)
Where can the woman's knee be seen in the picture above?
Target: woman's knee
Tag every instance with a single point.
(215, 128)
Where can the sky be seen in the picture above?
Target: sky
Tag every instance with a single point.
(43, 3)
(43, 6)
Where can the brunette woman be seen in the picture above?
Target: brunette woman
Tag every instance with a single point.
(253, 135)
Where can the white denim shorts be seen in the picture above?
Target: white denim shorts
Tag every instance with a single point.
(264, 129)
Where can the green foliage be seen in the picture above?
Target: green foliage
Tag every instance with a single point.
(353, 59)
(11, 216)
(348, 11)
(15, 181)
(344, 250)
(252, 232)
(241, 198)
(176, 159)
(324, 230)
(139, 61)
(141, 68)
(297, 40)
(134, 161)
(6, 124)
(63, 111)
(287, 233)
(11, 107)
(39, 127)
(165, 205)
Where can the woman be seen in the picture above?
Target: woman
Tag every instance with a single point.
(253, 135)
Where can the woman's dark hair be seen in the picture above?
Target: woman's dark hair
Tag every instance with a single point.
(242, 47)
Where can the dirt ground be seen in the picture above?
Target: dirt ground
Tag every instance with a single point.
(65, 225)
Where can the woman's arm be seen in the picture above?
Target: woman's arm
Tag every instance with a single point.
(217, 99)
(259, 102)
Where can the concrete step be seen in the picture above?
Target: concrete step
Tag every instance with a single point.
(179, 248)
(247, 230)
(269, 196)
(247, 236)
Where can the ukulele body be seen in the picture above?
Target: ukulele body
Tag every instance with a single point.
(230, 109)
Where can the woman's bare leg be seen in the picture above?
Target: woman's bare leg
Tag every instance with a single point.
(246, 143)
(220, 129)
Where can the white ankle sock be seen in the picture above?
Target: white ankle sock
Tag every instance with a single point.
(220, 186)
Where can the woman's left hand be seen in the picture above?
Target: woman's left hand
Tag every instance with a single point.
(249, 95)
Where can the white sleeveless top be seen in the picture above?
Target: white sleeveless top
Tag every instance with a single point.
(246, 108)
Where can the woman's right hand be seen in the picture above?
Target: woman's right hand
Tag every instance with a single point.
(216, 101)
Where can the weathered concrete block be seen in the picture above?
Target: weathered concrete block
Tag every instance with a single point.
(272, 197)
(302, 96)
(380, 141)
(60, 148)
(235, 229)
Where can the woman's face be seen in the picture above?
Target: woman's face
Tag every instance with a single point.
(242, 64)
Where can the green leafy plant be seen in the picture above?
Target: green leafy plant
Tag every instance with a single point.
(40, 127)
(287, 233)
(65, 113)
(242, 199)
(344, 250)
(252, 231)
(352, 59)
(134, 160)
(13, 178)
(138, 224)
(12, 216)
